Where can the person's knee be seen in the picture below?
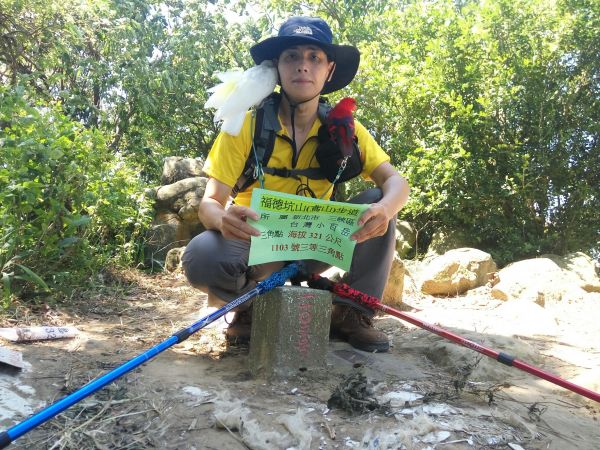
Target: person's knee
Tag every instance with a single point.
(210, 260)
(371, 195)
(198, 260)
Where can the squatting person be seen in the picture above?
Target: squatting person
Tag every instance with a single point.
(309, 65)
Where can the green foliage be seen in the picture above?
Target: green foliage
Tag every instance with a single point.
(12, 272)
(63, 195)
(490, 108)
(137, 70)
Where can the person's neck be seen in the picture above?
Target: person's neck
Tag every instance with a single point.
(304, 113)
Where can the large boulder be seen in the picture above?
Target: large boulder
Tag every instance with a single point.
(171, 196)
(187, 206)
(392, 294)
(581, 269)
(176, 168)
(164, 234)
(540, 280)
(176, 220)
(457, 271)
(411, 288)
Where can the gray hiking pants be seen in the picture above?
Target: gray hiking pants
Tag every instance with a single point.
(219, 266)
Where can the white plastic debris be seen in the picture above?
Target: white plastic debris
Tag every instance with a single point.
(515, 446)
(408, 411)
(494, 440)
(435, 437)
(298, 427)
(16, 399)
(256, 435)
(194, 391)
(439, 409)
(399, 398)
(230, 414)
(348, 442)
(37, 333)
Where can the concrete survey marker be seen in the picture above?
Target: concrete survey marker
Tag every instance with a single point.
(290, 331)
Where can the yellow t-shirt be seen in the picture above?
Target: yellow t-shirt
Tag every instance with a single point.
(229, 153)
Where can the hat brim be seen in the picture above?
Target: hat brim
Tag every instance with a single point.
(346, 57)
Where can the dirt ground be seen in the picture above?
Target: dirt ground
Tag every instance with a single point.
(425, 393)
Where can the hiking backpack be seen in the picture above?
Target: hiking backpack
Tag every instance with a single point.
(263, 142)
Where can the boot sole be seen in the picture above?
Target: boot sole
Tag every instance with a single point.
(237, 340)
(379, 347)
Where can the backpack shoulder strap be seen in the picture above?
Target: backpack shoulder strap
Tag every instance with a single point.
(265, 132)
(266, 125)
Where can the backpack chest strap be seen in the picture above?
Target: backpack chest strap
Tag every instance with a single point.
(314, 173)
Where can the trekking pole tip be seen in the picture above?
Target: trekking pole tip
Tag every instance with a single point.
(5, 439)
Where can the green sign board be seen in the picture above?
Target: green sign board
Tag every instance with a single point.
(293, 228)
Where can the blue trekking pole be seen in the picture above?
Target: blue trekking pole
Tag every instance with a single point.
(276, 279)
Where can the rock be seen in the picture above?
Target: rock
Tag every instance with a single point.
(392, 294)
(168, 231)
(516, 318)
(166, 196)
(540, 280)
(580, 268)
(176, 221)
(411, 289)
(150, 193)
(406, 238)
(188, 206)
(176, 168)
(173, 259)
(460, 360)
(457, 271)
(162, 237)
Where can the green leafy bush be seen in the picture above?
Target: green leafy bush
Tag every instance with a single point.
(67, 203)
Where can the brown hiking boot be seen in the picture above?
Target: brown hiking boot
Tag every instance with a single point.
(238, 331)
(357, 329)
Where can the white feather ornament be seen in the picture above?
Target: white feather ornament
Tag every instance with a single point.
(238, 92)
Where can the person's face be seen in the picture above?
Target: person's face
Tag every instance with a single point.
(303, 71)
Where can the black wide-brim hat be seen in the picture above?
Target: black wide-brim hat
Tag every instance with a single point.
(315, 31)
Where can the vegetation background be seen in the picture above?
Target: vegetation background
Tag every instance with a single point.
(491, 108)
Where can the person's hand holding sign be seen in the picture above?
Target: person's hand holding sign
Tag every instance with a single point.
(231, 221)
(234, 225)
(374, 222)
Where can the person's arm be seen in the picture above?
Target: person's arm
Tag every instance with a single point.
(374, 221)
(231, 222)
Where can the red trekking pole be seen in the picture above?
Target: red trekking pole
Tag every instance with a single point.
(343, 290)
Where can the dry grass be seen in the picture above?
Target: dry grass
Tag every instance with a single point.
(112, 419)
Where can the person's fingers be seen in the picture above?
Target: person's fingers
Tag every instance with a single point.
(234, 225)
(243, 212)
(367, 216)
(237, 228)
(376, 227)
